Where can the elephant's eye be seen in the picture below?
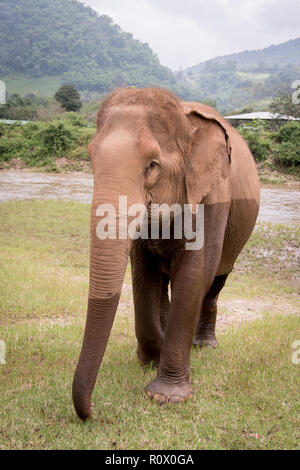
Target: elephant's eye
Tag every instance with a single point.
(152, 171)
(153, 164)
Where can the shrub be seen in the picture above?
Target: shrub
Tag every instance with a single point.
(287, 151)
(40, 143)
(49, 111)
(259, 148)
(289, 133)
(287, 154)
(75, 119)
(254, 134)
(2, 128)
(12, 145)
(56, 138)
(30, 130)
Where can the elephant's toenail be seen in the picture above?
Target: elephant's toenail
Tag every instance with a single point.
(176, 399)
(157, 397)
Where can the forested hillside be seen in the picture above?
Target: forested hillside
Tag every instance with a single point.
(65, 38)
(248, 79)
(268, 59)
(45, 43)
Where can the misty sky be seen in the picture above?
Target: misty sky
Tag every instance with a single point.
(186, 32)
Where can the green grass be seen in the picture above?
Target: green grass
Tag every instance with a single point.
(246, 387)
(254, 76)
(43, 86)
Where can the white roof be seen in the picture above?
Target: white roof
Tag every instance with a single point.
(265, 115)
(9, 121)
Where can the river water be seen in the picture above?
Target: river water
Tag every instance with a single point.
(278, 203)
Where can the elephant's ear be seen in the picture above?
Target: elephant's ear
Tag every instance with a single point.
(208, 158)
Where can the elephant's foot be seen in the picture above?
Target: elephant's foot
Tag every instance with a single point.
(148, 357)
(205, 341)
(162, 392)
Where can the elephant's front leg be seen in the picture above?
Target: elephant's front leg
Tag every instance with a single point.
(172, 381)
(146, 280)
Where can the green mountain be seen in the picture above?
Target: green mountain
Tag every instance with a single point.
(250, 79)
(44, 43)
(70, 42)
(268, 59)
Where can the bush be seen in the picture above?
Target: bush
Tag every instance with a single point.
(259, 148)
(75, 119)
(56, 138)
(18, 113)
(2, 128)
(40, 143)
(12, 145)
(287, 151)
(289, 133)
(50, 111)
(287, 154)
(254, 134)
(30, 130)
(8, 148)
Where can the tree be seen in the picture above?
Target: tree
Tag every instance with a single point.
(69, 97)
(283, 106)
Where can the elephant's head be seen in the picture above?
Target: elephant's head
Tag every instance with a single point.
(150, 148)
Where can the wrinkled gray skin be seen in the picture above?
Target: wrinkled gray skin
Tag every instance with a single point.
(151, 147)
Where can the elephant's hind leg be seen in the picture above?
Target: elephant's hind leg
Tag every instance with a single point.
(206, 328)
(165, 302)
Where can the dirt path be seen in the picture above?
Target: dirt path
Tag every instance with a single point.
(229, 311)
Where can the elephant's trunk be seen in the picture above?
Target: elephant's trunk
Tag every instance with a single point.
(108, 261)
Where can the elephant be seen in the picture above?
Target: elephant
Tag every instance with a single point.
(155, 148)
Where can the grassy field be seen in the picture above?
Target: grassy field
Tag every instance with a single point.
(254, 76)
(246, 392)
(43, 86)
